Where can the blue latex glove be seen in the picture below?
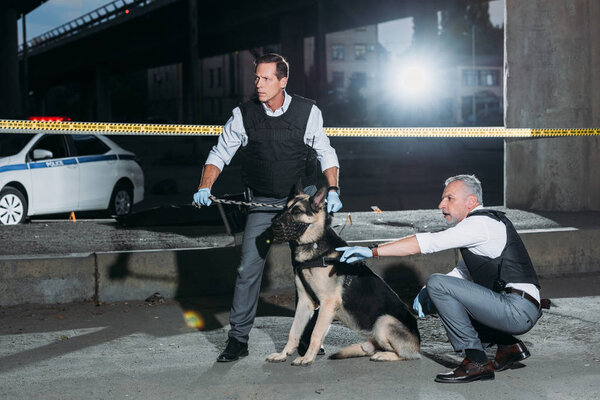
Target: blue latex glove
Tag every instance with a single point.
(356, 253)
(202, 197)
(333, 202)
(421, 300)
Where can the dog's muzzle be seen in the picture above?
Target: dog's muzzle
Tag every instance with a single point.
(286, 229)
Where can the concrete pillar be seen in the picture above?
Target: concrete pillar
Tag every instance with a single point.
(552, 81)
(292, 48)
(25, 69)
(320, 56)
(190, 67)
(101, 95)
(425, 21)
(10, 96)
(88, 97)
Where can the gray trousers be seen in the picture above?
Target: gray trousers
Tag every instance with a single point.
(250, 271)
(476, 317)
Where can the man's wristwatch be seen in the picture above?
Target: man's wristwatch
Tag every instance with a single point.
(336, 188)
(373, 248)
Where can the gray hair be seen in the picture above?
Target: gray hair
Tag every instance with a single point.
(472, 184)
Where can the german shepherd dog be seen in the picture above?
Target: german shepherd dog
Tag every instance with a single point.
(352, 293)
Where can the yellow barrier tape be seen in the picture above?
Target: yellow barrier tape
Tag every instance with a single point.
(18, 126)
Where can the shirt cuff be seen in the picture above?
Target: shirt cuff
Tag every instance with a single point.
(326, 164)
(216, 161)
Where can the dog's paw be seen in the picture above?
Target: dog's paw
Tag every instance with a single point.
(277, 357)
(303, 361)
(385, 356)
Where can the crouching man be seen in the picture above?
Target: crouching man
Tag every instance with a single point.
(491, 295)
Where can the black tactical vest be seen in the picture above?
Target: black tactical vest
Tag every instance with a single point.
(276, 155)
(513, 265)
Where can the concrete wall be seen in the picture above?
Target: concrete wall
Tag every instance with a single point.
(552, 60)
(188, 274)
(47, 280)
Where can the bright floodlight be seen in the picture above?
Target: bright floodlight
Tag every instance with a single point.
(414, 80)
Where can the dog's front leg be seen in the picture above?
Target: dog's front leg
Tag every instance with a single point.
(326, 314)
(304, 310)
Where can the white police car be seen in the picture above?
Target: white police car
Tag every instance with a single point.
(55, 173)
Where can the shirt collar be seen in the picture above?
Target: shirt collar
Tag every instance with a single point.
(287, 99)
(479, 207)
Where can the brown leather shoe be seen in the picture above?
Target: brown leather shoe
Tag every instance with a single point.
(506, 357)
(468, 371)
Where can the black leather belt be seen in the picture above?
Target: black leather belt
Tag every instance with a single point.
(524, 295)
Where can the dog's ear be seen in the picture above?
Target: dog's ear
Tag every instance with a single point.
(318, 200)
(296, 190)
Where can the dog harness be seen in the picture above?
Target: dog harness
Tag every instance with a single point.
(320, 262)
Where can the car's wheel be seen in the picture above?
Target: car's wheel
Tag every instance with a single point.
(13, 207)
(121, 201)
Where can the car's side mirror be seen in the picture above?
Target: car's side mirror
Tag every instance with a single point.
(41, 154)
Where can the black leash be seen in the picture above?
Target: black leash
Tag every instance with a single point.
(238, 203)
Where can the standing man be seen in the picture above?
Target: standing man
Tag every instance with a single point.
(278, 134)
(492, 294)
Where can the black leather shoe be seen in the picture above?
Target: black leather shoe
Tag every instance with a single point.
(468, 371)
(507, 356)
(234, 350)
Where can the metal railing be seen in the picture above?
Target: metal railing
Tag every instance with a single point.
(101, 15)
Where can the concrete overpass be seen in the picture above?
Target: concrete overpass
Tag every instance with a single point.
(551, 75)
(161, 32)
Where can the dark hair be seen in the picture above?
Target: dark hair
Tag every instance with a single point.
(282, 64)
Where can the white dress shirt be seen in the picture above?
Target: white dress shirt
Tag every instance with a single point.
(234, 135)
(480, 234)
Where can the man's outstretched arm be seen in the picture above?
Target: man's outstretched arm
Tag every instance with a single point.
(404, 247)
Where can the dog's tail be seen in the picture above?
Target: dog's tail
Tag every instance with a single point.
(355, 350)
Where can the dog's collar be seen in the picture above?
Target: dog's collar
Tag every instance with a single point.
(320, 262)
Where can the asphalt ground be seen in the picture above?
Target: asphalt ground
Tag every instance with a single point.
(145, 350)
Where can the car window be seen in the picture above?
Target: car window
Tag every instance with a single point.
(87, 145)
(12, 143)
(55, 143)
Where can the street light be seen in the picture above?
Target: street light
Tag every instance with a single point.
(473, 72)
(414, 79)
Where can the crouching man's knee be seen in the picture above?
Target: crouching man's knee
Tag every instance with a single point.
(435, 283)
